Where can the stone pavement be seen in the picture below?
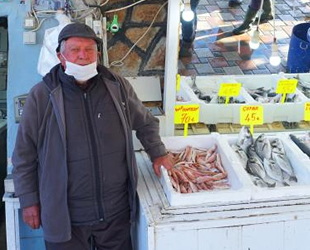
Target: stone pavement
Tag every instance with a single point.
(217, 51)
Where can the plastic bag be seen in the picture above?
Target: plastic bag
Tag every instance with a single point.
(48, 57)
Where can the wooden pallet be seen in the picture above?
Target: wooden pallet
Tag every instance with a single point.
(193, 129)
(228, 128)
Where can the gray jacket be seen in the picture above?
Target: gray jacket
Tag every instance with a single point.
(40, 158)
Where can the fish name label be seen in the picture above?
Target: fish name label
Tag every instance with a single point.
(185, 114)
(307, 111)
(286, 86)
(251, 115)
(229, 89)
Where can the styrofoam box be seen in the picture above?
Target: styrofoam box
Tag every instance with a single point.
(212, 113)
(290, 112)
(300, 166)
(186, 94)
(239, 191)
(299, 135)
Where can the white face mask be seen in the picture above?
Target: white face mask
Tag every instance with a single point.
(81, 73)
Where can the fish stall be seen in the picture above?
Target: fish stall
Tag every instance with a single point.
(236, 192)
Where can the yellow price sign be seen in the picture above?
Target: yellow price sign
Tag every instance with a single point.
(229, 89)
(178, 82)
(251, 115)
(185, 114)
(307, 111)
(286, 86)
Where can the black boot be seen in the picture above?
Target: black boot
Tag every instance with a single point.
(234, 3)
(186, 49)
(267, 13)
(246, 25)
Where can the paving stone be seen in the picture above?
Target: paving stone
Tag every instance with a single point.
(233, 70)
(287, 18)
(223, 4)
(203, 2)
(227, 17)
(246, 65)
(217, 54)
(219, 71)
(232, 63)
(180, 65)
(248, 72)
(282, 7)
(204, 68)
(213, 8)
(261, 72)
(203, 25)
(218, 62)
(305, 10)
(231, 55)
(203, 52)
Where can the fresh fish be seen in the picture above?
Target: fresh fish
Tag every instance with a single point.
(303, 147)
(272, 170)
(241, 154)
(252, 153)
(277, 145)
(283, 162)
(245, 138)
(263, 147)
(258, 181)
(256, 168)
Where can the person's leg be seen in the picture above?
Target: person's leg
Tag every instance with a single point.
(189, 31)
(80, 240)
(234, 3)
(249, 17)
(114, 235)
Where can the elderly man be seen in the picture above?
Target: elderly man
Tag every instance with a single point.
(74, 166)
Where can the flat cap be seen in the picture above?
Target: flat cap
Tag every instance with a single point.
(77, 30)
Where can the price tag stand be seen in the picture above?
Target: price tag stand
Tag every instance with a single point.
(307, 111)
(185, 114)
(251, 115)
(286, 86)
(229, 89)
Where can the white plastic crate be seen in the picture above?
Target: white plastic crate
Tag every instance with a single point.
(213, 113)
(290, 112)
(240, 187)
(299, 163)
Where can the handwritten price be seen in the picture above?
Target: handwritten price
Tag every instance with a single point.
(307, 111)
(251, 118)
(287, 86)
(251, 115)
(186, 114)
(229, 89)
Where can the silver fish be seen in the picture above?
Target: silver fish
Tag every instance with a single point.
(277, 145)
(241, 154)
(272, 170)
(255, 167)
(283, 162)
(245, 138)
(262, 147)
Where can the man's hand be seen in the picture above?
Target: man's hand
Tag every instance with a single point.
(167, 161)
(31, 216)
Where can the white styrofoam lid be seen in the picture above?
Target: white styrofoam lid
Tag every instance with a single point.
(147, 88)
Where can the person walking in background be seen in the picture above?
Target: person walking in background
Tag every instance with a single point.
(74, 167)
(189, 28)
(251, 14)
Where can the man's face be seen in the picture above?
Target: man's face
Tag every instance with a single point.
(79, 50)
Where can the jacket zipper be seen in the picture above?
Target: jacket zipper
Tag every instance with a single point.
(96, 159)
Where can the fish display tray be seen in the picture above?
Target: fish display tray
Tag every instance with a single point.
(213, 113)
(239, 190)
(299, 163)
(289, 112)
